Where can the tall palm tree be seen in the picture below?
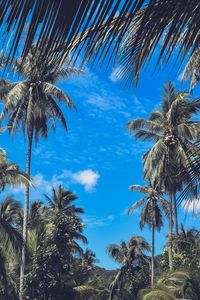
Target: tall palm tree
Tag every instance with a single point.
(62, 200)
(31, 105)
(153, 206)
(129, 255)
(173, 133)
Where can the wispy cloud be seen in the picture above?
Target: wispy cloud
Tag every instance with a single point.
(99, 102)
(98, 221)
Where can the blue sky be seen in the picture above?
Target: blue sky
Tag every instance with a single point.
(98, 159)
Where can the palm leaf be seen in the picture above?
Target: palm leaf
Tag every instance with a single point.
(136, 205)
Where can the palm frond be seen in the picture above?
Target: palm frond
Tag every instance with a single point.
(139, 188)
(52, 90)
(192, 69)
(134, 33)
(136, 205)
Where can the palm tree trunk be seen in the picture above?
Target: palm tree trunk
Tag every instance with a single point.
(152, 255)
(175, 216)
(153, 243)
(170, 232)
(25, 218)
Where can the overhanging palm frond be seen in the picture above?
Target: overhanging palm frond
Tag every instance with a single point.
(191, 192)
(192, 69)
(136, 205)
(50, 89)
(134, 34)
(115, 253)
(10, 174)
(139, 188)
(58, 21)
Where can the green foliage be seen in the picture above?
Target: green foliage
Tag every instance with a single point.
(186, 251)
(50, 273)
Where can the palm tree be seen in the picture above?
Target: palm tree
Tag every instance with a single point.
(61, 207)
(188, 241)
(173, 134)
(62, 200)
(89, 259)
(153, 204)
(31, 105)
(130, 256)
(159, 18)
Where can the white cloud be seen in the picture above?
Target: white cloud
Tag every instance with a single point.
(191, 206)
(88, 178)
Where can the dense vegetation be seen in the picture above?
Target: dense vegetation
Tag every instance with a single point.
(43, 254)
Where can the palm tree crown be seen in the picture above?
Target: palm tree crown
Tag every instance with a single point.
(151, 212)
(62, 200)
(172, 131)
(31, 103)
(129, 254)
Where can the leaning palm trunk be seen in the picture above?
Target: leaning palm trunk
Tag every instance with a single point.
(175, 216)
(170, 232)
(115, 282)
(25, 218)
